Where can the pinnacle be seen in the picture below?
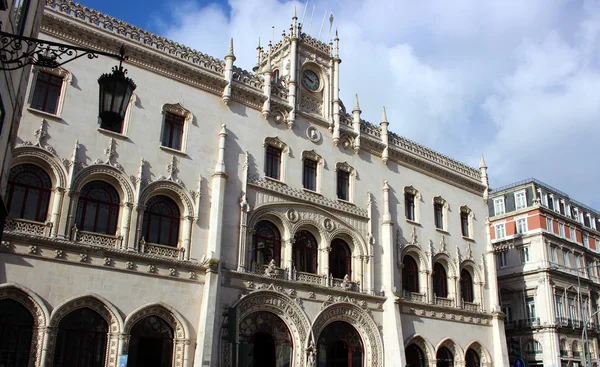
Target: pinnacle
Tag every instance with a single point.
(356, 105)
(230, 52)
(384, 115)
(482, 162)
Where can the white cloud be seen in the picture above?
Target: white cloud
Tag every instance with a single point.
(515, 80)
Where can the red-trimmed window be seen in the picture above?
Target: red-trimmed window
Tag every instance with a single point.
(47, 92)
(305, 252)
(161, 221)
(173, 131)
(340, 259)
(28, 192)
(98, 208)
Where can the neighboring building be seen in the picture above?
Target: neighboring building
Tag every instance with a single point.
(20, 18)
(546, 246)
(324, 239)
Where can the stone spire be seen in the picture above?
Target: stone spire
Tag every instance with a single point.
(484, 177)
(384, 136)
(356, 123)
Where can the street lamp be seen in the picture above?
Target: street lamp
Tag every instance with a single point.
(584, 336)
(115, 89)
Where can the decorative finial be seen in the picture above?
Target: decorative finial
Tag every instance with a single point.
(356, 105)
(384, 115)
(223, 131)
(230, 52)
(482, 162)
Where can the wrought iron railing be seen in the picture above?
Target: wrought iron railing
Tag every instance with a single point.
(528, 322)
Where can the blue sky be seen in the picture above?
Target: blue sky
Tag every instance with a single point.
(516, 80)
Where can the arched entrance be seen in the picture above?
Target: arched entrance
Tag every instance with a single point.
(265, 341)
(81, 339)
(444, 357)
(414, 356)
(151, 343)
(340, 345)
(16, 331)
(472, 358)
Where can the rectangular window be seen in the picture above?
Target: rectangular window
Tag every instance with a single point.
(273, 163)
(173, 131)
(2, 114)
(572, 314)
(560, 311)
(578, 263)
(46, 92)
(464, 224)
(499, 206)
(561, 229)
(590, 267)
(438, 210)
(501, 260)
(520, 200)
(343, 185)
(500, 231)
(549, 226)
(554, 254)
(586, 240)
(522, 226)
(566, 257)
(507, 310)
(20, 11)
(586, 220)
(409, 204)
(551, 202)
(524, 255)
(309, 176)
(561, 207)
(572, 233)
(530, 310)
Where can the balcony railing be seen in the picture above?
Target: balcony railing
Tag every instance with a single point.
(162, 250)
(415, 297)
(447, 302)
(345, 284)
(576, 354)
(510, 324)
(309, 278)
(470, 306)
(564, 353)
(533, 353)
(569, 322)
(27, 226)
(528, 322)
(97, 239)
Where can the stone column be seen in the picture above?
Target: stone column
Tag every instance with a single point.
(186, 238)
(289, 245)
(70, 212)
(127, 207)
(135, 236)
(55, 217)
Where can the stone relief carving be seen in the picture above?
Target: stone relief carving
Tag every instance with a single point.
(311, 105)
(313, 134)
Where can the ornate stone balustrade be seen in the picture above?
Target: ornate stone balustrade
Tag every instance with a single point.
(28, 226)
(310, 278)
(161, 250)
(344, 284)
(370, 129)
(471, 306)
(446, 302)
(270, 271)
(415, 297)
(246, 77)
(97, 239)
(278, 89)
(311, 105)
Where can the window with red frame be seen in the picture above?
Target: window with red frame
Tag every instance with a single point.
(173, 131)
(410, 274)
(161, 221)
(98, 208)
(340, 259)
(305, 252)
(28, 192)
(47, 92)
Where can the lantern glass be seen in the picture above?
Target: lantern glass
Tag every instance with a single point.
(115, 92)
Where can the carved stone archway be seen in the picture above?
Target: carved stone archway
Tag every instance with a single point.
(361, 321)
(282, 306)
(34, 304)
(181, 342)
(100, 305)
(484, 354)
(425, 347)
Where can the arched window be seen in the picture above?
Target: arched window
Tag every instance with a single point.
(16, 330)
(266, 244)
(440, 280)
(444, 357)
(466, 286)
(340, 345)
(410, 274)
(28, 192)
(414, 356)
(98, 208)
(264, 340)
(472, 358)
(81, 339)
(305, 252)
(151, 343)
(340, 259)
(161, 221)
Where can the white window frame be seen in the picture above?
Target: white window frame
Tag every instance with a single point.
(499, 203)
(559, 305)
(507, 309)
(416, 202)
(313, 156)
(60, 72)
(566, 260)
(501, 258)
(530, 307)
(497, 226)
(525, 256)
(572, 234)
(520, 196)
(521, 229)
(344, 166)
(554, 254)
(586, 240)
(550, 225)
(285, 152)
(178, 110)
(561, 229)
(440, 200)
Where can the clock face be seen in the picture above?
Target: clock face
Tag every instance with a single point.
(310, 80)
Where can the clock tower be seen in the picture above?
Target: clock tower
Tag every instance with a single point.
(303, 76)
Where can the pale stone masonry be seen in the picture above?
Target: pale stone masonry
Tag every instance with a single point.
(270, 201)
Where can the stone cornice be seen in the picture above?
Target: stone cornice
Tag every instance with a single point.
(113, 258)
(445, 313)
